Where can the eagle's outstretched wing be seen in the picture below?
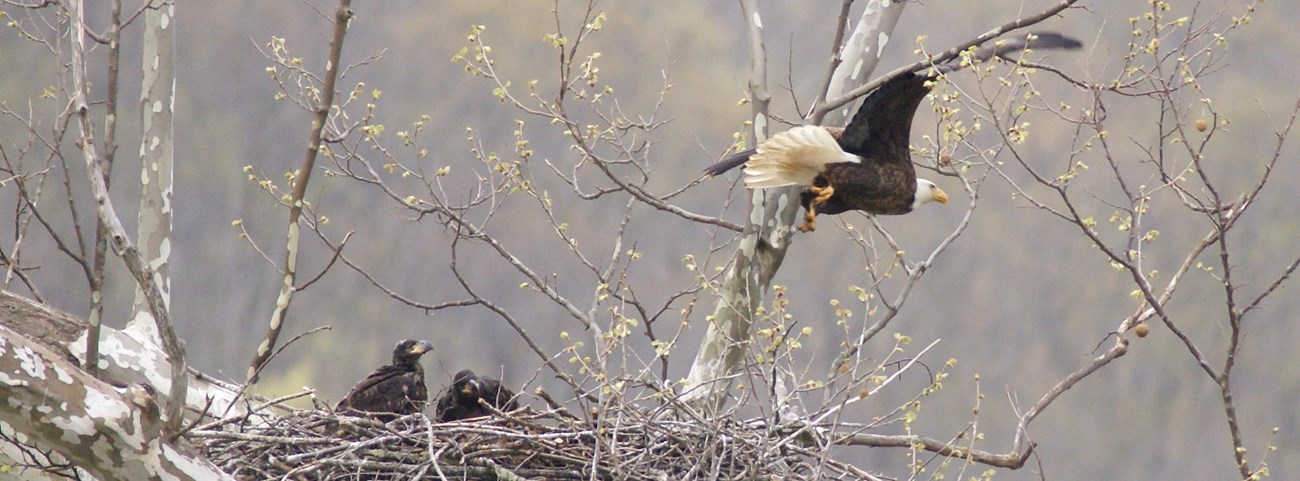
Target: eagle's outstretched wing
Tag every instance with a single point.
(882, 127)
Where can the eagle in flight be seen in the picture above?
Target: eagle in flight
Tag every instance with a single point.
(461, 400)
(397, 388)
(866, 165)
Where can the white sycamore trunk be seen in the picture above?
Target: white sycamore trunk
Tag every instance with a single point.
(112, 433)
(773, 212)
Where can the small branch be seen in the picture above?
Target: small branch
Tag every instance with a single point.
(949, 54)
(501, 312)
(244, 387)
(338, 252)
(342, 16)
(95, 318)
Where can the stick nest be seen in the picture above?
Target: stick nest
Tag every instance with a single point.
(324, 446)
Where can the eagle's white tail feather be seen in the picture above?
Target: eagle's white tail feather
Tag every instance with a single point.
(795, 156)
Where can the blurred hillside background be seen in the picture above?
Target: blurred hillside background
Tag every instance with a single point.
(1020, 299)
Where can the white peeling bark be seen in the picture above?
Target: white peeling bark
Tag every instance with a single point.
(144, 275)
(115, 434)
(861, 53)
(157, 99)
(125, 359)
(773, 212)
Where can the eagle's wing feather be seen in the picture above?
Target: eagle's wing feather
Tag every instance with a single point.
(364, 393)
(729, 162)
(446, 409)
(389, 389)
(793, 157)
(882, 126)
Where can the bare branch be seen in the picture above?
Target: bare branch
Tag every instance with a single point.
(342, 16)
(95, 318)
(949, 54)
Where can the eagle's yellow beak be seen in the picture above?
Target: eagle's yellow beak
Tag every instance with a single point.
(939, 195)
(421, 347)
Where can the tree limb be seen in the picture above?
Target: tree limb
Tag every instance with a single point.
(157, 94)
(114, 434)
(145, 276)
(342, 16)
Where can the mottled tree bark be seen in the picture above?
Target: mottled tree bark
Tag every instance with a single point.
(773, 212)
(858, 58)
(115, 434)
(157, 99)
(143, 273)
(125, 359)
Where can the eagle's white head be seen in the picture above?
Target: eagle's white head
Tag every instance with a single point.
(927, 192)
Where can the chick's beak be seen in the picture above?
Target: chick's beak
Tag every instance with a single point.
(939, 195)
(470, 387)
(421, 347)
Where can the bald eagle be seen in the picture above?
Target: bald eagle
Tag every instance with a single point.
(866, 165)
(397, 388)
(460, 401)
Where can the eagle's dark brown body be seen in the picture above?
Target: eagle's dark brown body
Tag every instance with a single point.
(395, 389)
(460, 401)
(882, 188)
(884, 182)
(865, 188)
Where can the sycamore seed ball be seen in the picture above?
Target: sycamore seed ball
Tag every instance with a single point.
(1142, 330)
(1201, 125)
(945, 159)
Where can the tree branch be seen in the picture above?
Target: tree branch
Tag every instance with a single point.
(951, 53)
(342, 16)
(157, 94)
(110, 152)
(114, 435)
(145, 277)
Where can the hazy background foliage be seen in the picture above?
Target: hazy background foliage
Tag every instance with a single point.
(1020, 299)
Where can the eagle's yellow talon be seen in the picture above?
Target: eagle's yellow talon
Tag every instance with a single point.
(809, 221)
(823, 193)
